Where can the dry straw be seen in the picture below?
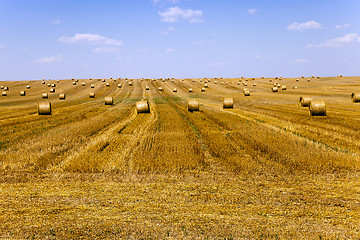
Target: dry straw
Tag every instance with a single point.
(44, 108)
(142, 107)
(45, 95)
(228, 103)
(193, 105)
(274, 89)
(92, 95)
(4, 94)
(62, 96)
(109, 101)
(317, 108)
(355, 97)
(22, 93)
(305, 101)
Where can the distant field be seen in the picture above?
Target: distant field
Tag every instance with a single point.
(264, 169)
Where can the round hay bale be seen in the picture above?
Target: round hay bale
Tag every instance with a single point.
(318, 77)
(246, 93)
(160, 88)
(279, 85)
(57, 81)
(147, 88)
(305, 101)
(3, 94)
(6, 88)
(193, 80)
(103, 80)
(92, 86)
(49, 85)
(43, 82)
(274, 89)
(312, 76)
(283, 87)
(297, 79)
(193, 105)
(205, 85)
(28, 87)
(317, 108)
(109, 101)
(74, 83)
(295, 87)
(174, 90)
(1, 87)
(228, 103)
(119, 85)
(238, 83)
(191, 90)
(142, 107)
(62, 96)
(130, 83)
(355, 97)
(308, 80)
(270, 80)
(22, 93)
(77, 80)
(263, 77)
(107, 84)
(202, 89)
(53, 85)
(83, 84)
(245, 84)
(254, 84)
(215, 82)
(302, 77)
(44, 108)
(44, 95)
(92, 95)
(52, 90)
(275, 84)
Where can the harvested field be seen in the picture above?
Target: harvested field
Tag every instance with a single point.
(262, 168)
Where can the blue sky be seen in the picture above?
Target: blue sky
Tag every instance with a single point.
(60, 39)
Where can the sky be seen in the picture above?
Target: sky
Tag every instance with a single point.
(61, 39)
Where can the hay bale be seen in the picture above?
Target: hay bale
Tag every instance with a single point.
(238, 83)
(49, 85)
(104, 80)
(228, 103)
(92, 86)
(244, 83)
(142, 107)
(312, 76)
(193, 105)
(317, 108)
(6, 88)
(215, 82)
(74, 83)
(62, 96)
(279, 85)
(283, 87)
(28, 86)
(107, 84)
(131, 84)
(355, 97)
(295, 87)
(147, 88)
(191, 90)
(305, 101)
(1, 87)
(109, 101)
(246, 92)
(302, 77)
(22, 93)
(44, 108)
(318, 77)
(57, 81)
(270, 80)
(92, 95)
(52, 90)
(205, 85)
(174, 90)
(119, 85)
(42, 82)
(308, 80)
(53, 85)
(254, 84)
(44, 95)
(160, 89)
(274, 89)
(297, 79)
(83, 84)
(202, 89)
(3, 94)
(263, 77)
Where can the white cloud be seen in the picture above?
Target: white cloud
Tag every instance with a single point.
(337, 42)
(90, 38)
(342, 26)
(259, 56)
(168, 30)
(304, 26)
(105, 49)
(56, 22)
(175, 14)
(251, 11)
(52, 59)
(170, 50)
(301, 60)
